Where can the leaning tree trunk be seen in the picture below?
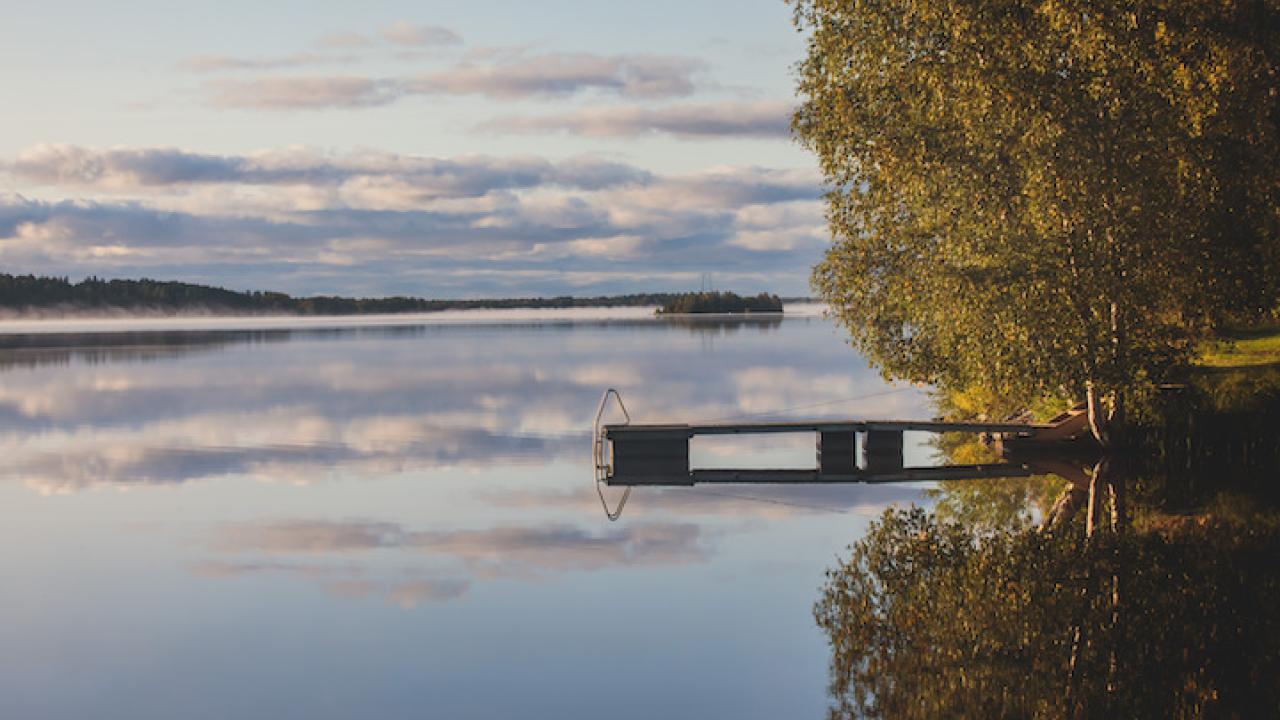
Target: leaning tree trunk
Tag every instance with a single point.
(1068, 503)
(1098, 418)
(1106, 422)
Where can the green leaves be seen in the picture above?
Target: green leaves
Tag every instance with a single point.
(1003, 173)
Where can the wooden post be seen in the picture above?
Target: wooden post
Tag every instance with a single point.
(660, 454)
(836, 453)
(882, 451)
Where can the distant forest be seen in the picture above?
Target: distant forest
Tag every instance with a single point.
(720, 302)
(25, 293)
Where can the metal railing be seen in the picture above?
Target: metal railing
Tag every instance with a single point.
(602, 454)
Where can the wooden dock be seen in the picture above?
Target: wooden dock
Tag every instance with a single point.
(867, 451)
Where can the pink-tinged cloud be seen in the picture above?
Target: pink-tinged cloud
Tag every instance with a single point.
(303, 93)
(346, 40)
(505, 78)
(345, 581)
(770, 119)
(563, 74)
(217, 63)
(403, 32)
(127, 169)
(499, 551)
(471, 221)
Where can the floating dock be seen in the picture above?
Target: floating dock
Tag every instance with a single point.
(867, 451)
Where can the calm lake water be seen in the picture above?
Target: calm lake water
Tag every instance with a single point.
(396, 518)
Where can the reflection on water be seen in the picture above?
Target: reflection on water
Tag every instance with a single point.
(1143, 586)
(394, 520)
(928, 620)
(382, 520)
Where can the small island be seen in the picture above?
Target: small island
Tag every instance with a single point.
(720, 302)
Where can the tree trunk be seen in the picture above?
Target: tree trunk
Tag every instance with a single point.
(1097, 489)
(1119, 507)
(1065, 507)
(1115, 480)
(1115, 417)
(1105, 422)
(1097, 418)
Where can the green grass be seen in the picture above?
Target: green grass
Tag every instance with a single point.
(1241, 372)
(1254, 347)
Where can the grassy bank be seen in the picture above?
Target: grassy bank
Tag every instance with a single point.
(1253, 347)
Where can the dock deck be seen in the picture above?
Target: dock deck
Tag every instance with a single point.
(864, 451)
(847, 426)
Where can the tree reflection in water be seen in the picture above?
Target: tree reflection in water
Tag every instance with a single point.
(1096, 616)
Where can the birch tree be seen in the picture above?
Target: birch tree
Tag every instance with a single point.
(1043, 197)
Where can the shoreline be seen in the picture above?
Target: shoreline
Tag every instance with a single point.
(117, 323)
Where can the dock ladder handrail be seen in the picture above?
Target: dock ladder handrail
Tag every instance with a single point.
(603, 464)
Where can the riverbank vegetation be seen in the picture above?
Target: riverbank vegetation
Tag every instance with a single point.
(1068, 200)
(1243, 347)
(1131, 584)
(720, 302)
(1036, 205)
(30, 294)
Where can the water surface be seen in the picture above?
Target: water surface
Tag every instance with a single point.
(357, 517)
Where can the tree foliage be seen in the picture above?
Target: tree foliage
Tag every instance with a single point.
(1042, 196)
(720, 302)
(32, 293)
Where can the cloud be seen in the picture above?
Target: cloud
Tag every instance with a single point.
(345, 40)
(461, 177)
(563, 74)
(123, 458)
(506, 77)
(400, 33)
(304, 93)
(345, 581)
(525, 550)
(695, 121)
(60, 164)
(781, 226)
(503, 551)
(514, 551)
(468, 176)
(383, 401)
(216, 63)
(311, 536)
(403, 32)
(412, 593)
(406, 224)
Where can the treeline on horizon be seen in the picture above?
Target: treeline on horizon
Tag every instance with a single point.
(22, 293)
(720, 302)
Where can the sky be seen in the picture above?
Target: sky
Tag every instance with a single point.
(434, 149)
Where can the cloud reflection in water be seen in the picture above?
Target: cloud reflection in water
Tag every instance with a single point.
(505, 400)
